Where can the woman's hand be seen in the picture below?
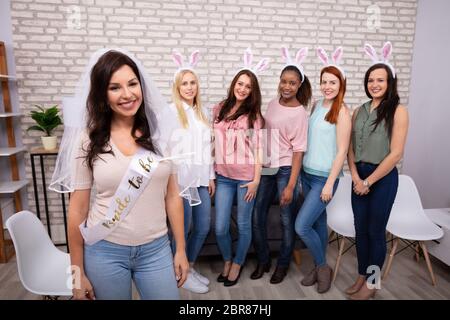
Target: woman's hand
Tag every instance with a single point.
(252, 188)
(286, 196)
(211, 187)
(327, 193)
(181, 266)
(359, 188)
(85, 290)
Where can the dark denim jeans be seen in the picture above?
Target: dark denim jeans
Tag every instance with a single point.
(371, 213)
(269, 187)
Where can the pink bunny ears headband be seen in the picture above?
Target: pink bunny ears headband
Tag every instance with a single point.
(262, 65)
(179, 61)
(299, 57)
(336, 58)
(386, 52)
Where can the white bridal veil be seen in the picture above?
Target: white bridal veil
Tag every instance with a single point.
(75, 117)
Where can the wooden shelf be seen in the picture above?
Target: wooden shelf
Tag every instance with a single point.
(5, 77)
(5, 152)
(12, 186)
(10, 114)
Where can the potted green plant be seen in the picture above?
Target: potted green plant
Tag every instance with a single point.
(47, 119)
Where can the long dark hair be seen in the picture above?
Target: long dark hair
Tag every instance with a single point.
(304, 93)
(100, 113)
(251, 105)
(390, 101)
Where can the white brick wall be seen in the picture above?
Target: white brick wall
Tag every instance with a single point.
(50, 55)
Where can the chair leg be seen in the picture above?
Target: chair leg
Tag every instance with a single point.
(297, 256)
(391, 257)
(338, 260)
(427, 259)
(416, 249)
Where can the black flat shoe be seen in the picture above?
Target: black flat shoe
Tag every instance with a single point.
(259, 271)
(221, 278)
(230, 283)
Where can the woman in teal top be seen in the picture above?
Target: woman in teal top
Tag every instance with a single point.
(328, 140)
(378, 139)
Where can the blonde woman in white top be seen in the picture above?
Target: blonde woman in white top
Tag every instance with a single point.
(192, 134)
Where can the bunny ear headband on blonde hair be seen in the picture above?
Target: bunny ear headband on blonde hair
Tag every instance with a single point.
(179, 61)
(335, 58)
(299, 58)
(262, 65)
(386, 52)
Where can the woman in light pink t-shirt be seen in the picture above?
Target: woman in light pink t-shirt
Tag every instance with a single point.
(138, 249)
(287, 124)
(237, 124)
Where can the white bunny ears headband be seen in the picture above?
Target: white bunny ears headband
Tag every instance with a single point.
(179, 61)
(336, 58)
(386, 52)
(299, 58)
(262, 65)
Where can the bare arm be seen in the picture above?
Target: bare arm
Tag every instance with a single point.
(78, 211)
(286, 196)
(398, 140)
(175, 212)
(343, 132)
(351, 155)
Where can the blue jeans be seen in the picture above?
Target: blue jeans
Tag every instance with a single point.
(269, 187)
(226, 189)
(311, 222)
(111, 267)
(201, 218)
(371, 213)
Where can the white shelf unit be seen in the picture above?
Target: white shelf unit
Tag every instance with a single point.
(11, 183)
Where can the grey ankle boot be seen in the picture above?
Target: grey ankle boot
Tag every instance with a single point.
(324, 274)
(310, 279)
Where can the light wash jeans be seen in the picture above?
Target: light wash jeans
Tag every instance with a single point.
(201, 220)
(111, 267)
(226, 190)
(269, 187)
(311, 222)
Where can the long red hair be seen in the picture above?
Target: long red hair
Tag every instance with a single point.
(333, 114)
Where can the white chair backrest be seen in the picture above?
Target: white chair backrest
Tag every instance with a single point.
(339, 210)
(408, 219)
(42, 267)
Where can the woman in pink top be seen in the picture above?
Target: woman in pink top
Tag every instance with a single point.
(237, 124)
(287, 122)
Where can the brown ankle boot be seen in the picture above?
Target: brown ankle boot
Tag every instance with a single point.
(356, 286)
(324, 274)
(364, 293)
(310, 279)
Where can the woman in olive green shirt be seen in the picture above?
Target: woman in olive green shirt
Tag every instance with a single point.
(378, 138)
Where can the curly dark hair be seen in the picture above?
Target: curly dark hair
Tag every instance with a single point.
(251, 105)
(100, 113)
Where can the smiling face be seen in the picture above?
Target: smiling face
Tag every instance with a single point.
(289, 85)
(377, 83)
(188, 88)
(242, 88)
(124, 92)
(329, 85)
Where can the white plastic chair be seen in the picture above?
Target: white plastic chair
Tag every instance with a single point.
(409, 223)
(43, 269)
(340, 218)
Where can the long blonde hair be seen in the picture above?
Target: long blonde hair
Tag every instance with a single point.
(178, 100)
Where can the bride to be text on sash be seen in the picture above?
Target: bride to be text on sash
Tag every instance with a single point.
(134, 182)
